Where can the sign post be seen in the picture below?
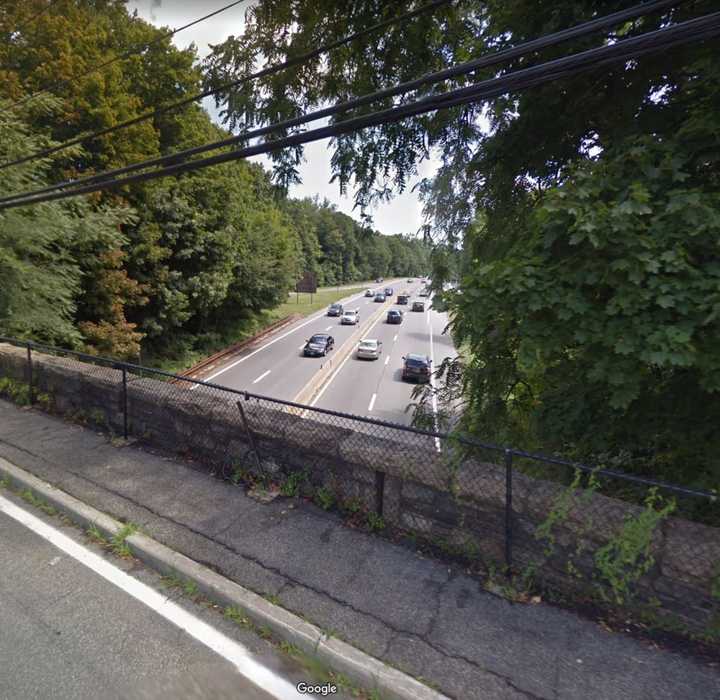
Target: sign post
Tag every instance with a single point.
(308, 283)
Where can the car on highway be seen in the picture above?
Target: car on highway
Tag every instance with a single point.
(410, 281)
(369, 349)
(424, 292)
(389, 291)
(318, 345)
(379, 279)
(394, 316)
(369, 293)
(403, 299)
(350, 317)
(417, 367)
(335, 310)
(418, 306)
(380, 298)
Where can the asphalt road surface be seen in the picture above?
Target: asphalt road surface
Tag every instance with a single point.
(277, 368)
(69, 632)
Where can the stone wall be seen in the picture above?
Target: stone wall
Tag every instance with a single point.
(461, 506)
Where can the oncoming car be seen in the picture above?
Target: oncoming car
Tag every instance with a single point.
(369, 349)
(394, 316)
(369, 293)
(335, 310)
(403, 299)
(380, 298)
(418, 306)
(417, 367)
(318, 345)
(350, 317)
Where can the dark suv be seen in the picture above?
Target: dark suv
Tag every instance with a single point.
(417, 367)
(394, 316)
(319, 345)
(335, 310)
(402, 299)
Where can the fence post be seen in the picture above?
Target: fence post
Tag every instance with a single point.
(379, 491)
(125, 402)
(508, 512)
(31, 393)
(251, 438)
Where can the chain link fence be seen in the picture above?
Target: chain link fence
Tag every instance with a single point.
(621, 536)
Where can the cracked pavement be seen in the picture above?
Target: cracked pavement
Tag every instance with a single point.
(413, 612)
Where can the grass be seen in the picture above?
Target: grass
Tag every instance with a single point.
(184, 353)
(118, 543)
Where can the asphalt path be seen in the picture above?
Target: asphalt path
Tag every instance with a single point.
(375, 388)
(69, 630)
(277, 368)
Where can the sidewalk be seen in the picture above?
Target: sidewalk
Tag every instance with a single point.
(415, 613)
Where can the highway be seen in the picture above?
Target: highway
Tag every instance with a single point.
(277, 368)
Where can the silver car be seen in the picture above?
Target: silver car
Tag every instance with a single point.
(369, 349)
(350, 317)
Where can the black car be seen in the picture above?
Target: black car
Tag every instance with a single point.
(388, 291)
(379, 279)
(394, 316)
(402, 299)
(318, 345)
(380, 298)
(417, 367)
(418, 306)
(335, 310)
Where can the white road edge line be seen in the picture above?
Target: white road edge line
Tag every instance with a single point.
(262, 376)
(432, 384)
(372, 402)
(387, 359)
(222, 645)
(267, 345)
(395, 338)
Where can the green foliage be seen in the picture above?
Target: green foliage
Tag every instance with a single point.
(627, 557)
(293, 484)
(17, 392)
(375, 522)
(325, 498)
(118, 542)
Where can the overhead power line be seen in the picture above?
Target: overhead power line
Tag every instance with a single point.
(438, 76)
(270, 70)
(36, 16)
(699, 29)
(130, 52)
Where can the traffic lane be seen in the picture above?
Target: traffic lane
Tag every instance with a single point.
(374, 387)
(281, 356)
(69, 633)
(278, 369)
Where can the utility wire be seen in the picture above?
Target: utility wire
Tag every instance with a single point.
(270, 70)
(699, 29)
(130, 52)
(36, 16)
(438, 76)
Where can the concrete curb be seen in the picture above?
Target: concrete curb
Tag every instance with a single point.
(311, 389)
(358, 666)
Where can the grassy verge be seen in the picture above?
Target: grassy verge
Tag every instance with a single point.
(187, 351)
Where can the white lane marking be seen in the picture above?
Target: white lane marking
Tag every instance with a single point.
(434, 396)
(262, 376)
(395, 338)
(372, 402)
(329, 328)
(267, 345)
(387, 359)
(341, 365)
(222, 645)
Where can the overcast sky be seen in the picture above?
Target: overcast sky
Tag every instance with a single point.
(401, 215)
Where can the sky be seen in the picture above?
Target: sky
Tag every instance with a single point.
(403, 214)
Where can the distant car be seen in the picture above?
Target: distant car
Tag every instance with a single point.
(369, 349)
(350, 318)
(389, 291)
(394, 316)
(335, 310)
(379, 279)
(425, 292)
(410, 281)
(402, 299)
(418, 306)
(380, 298)
(369, 293)
(318, 345)
(417, 367)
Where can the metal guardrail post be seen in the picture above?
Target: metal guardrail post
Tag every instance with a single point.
(251, 437)
(508, 512)
(31, 393)
(125, 402)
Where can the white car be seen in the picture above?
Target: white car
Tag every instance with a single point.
(350, 318)
(369, 349)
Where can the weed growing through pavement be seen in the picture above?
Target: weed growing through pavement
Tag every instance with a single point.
(118, 542)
